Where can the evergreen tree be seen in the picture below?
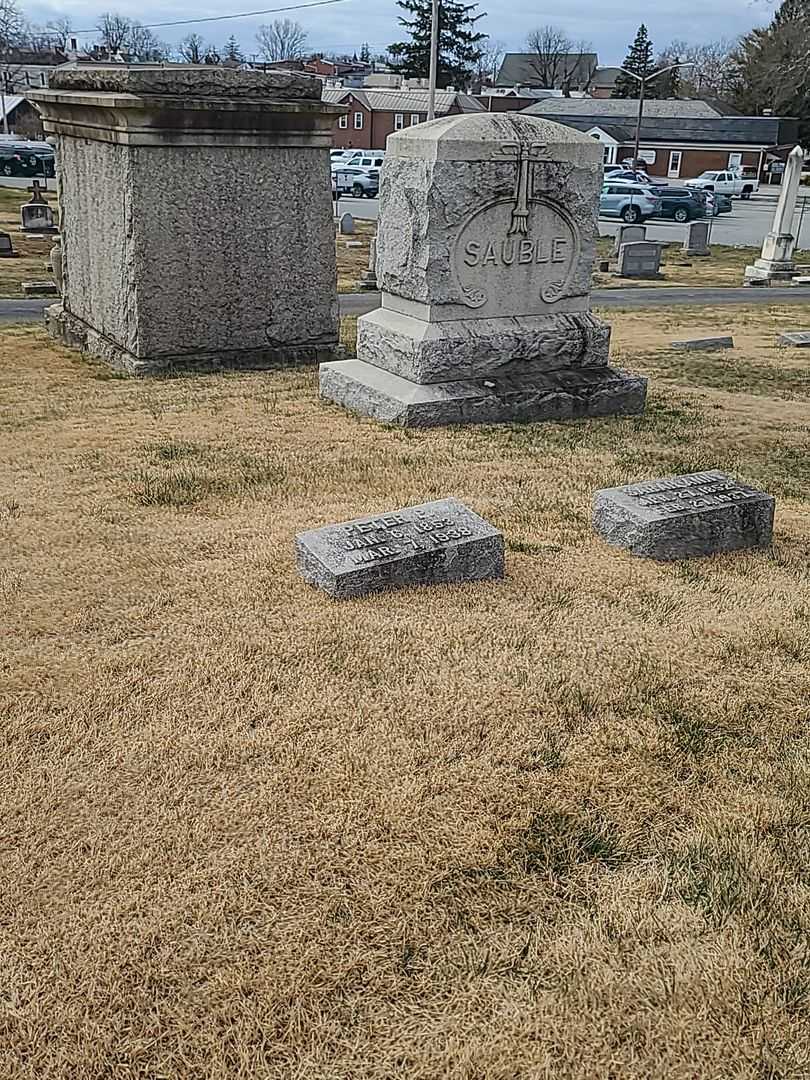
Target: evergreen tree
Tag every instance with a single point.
(770, 68)
(365, 53)
(232, 50)
(459, 42)
(639, 60)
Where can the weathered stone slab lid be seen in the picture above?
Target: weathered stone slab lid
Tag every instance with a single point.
(481, 136)
(192, 80)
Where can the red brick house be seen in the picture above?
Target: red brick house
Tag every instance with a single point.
(374, 114)
(679, 138)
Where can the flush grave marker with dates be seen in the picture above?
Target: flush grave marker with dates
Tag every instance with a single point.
(441, 541)
(485, 244)
(683, 516)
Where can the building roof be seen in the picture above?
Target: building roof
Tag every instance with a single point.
(405, 100)
(520, 69)
(605, 76)
(12, 101)
(723, 130)
(626, 107)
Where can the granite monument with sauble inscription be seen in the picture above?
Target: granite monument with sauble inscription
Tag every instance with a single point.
(485, 244)
(438, 542)
(679, 517)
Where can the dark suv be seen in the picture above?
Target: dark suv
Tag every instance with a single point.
(680, 203)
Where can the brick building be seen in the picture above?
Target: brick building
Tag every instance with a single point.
(374, 114)
(679, 139)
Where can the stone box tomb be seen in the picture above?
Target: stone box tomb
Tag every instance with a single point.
(485, 244)
(162, 266)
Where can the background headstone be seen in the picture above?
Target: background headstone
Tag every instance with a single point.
(163, 267)
(639, 259)
(706, 344)
(697, 239)
(6, 247)
(776, 264)
(628, 234)
(485, 245)
(347, 225)
(437, 542)
(683, 516)
(369, 279)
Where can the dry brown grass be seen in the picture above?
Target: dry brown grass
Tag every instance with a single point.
(550, 827)
(352, 262)
(33, 252)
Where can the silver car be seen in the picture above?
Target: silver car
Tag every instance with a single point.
(632, 202)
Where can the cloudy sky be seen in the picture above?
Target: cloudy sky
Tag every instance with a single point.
(342, 27)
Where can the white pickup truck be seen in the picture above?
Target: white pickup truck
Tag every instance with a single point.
(725, 182)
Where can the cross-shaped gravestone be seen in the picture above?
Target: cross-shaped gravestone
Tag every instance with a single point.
(37, 196)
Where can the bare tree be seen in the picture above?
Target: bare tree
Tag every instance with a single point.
(490, 60)
(13, 30)
(113, 30)
(192, 49)
(142, 44)
(282, 39)
(711, 71)
(60, 32)
(550, 47)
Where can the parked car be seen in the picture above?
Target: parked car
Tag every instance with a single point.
(629, 201)
(365, 159)
(357, 180)
(680, 203)
(722, 203)
(636, 175)
(727, 182)
(26, 159)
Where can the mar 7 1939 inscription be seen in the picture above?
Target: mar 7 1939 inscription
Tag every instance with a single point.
(681, 516)
(442, 541)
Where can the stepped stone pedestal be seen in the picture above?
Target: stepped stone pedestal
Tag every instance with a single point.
(485, 244)
(775, 265)
(196, 216)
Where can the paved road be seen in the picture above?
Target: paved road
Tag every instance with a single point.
(745, 226)
(15, 311)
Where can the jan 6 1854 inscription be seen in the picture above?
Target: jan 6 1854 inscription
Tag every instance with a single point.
(682, 516)
(441, 541)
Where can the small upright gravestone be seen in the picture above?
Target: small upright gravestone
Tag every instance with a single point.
(485, 244)
(629, 234)
(368, 281)
(438, 542)
(641, 259)
(6, 247)
(36, 215)
(683, 516)
(696, 242)
(347, 225)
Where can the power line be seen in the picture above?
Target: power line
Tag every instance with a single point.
(223, 18)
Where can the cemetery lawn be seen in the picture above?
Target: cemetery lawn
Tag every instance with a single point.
(32, 251)
(554, 826)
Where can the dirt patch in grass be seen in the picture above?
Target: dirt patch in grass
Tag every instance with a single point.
(551, 826)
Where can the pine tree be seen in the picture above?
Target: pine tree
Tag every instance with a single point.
(459, 42)
(232, 50)
(668, 84)
(365, 53)
(639, 60)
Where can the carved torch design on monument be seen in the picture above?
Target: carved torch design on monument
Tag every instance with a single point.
(526, 156)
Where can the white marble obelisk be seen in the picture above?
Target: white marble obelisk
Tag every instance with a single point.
(776, 261)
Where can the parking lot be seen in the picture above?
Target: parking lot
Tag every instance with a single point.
(745, 226)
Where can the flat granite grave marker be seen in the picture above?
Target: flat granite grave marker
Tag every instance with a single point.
(485, 244)
(799, 339)
(438, 542)
(679, 517)
(705, 344)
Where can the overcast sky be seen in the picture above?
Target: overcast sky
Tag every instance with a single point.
(608, 26)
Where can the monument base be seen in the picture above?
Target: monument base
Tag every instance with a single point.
(765, 272)
(565, 394)
(77, 334)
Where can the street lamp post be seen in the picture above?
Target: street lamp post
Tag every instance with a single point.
(434, 60)
(643, 80)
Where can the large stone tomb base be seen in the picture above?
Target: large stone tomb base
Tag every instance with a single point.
(520, 369)
(73, 332)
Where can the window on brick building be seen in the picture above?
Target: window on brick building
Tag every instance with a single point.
(399, 121)
(414, 118)
(343, 121)
(358, 120)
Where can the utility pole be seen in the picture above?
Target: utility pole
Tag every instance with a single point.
(642, 80)
(434, 60)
